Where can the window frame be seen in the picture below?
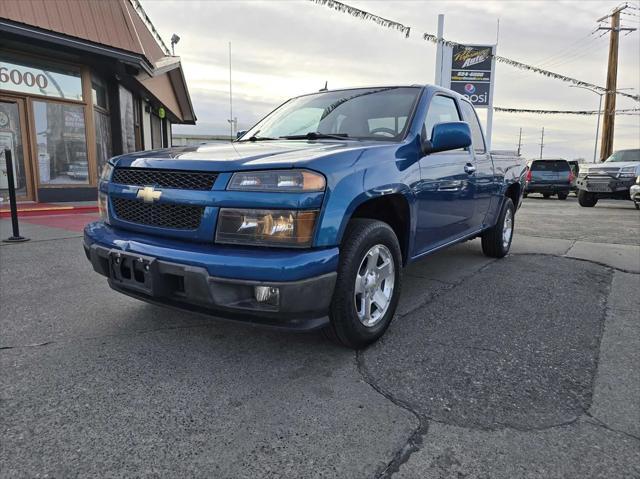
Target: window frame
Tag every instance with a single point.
(426, 114)
(475, 115)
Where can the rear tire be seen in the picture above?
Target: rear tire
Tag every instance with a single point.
(546, 195)
(586, 199)
(364, 302)
(525, 195)
(496, 241)
(562, 196)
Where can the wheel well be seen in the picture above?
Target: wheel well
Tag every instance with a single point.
(393, 210)
(513, 192)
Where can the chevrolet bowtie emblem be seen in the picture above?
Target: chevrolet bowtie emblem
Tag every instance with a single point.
(148, 194)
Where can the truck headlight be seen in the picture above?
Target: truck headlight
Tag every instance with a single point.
(285, 228)
(277, 180)
(103, 206)
(627, 172)
(106, 172)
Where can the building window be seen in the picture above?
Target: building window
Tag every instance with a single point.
(62, 144)
(11, 139)
(99, 94)
(127, 121)
(40, 80)
(103, 138)
(156, 132)
(102, 122)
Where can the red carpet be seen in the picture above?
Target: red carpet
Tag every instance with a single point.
(38, 209)
(70, 222)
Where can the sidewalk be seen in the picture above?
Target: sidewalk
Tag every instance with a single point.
(47, 226)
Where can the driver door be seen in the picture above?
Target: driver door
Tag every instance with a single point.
(446, 189)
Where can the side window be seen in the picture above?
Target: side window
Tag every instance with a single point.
(441, 109)
(477, 139)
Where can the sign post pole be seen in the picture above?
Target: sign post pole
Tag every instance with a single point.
(439, 50)
(490, 105)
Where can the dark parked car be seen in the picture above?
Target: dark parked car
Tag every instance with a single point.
(549, 177)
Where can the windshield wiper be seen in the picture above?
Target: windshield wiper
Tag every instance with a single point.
(258, 138)
(314, 135)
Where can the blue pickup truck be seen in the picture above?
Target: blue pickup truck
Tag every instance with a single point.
(306, 220)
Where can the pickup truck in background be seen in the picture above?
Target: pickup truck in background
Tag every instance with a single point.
(611, 179)
(306, 221)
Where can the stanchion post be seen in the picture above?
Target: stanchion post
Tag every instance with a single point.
(15, 238)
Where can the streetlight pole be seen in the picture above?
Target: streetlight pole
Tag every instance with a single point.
(595, 148)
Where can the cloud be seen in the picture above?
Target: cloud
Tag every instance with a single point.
(285, 48)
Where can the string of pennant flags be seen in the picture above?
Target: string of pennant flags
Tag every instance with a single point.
(363, 15)
(628, 111)
(386, 23)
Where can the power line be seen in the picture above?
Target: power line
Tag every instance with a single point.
(362, 14)
(573, 46)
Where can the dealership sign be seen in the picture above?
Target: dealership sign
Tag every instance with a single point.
(472, 72)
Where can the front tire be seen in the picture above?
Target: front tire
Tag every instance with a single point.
(586, 199)
(368, 284)
(496, 241)
(562, 196)
(546, 195)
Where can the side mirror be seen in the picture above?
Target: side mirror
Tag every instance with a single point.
(240, 134)
(448, 136)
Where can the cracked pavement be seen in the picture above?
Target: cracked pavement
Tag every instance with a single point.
(525, 367)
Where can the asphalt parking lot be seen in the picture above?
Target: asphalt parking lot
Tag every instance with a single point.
(525, 367)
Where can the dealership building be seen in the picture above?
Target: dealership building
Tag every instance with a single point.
(81, 81)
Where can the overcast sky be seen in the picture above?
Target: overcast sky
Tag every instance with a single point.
(281, 48)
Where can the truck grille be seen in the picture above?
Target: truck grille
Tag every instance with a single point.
(177, 179)
(163, 215)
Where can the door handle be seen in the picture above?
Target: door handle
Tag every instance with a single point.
(469, 168)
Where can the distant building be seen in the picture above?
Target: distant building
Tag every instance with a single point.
(81, 81)
(183, 139)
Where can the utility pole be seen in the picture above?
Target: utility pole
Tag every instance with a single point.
(606, 146)
(519, 141)
(542, 143)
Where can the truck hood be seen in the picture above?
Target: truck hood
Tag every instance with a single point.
(246, 155)
(610, 166)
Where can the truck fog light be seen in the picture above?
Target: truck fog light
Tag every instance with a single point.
(267, 295)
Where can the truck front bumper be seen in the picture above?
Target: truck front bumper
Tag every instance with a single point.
(606, 187)
(219, 281)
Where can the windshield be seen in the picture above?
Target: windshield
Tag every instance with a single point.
(364, 113)
(624, 155)
(550, 165)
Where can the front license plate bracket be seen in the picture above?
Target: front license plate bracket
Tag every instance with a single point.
(132, 271)
(598, 187)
